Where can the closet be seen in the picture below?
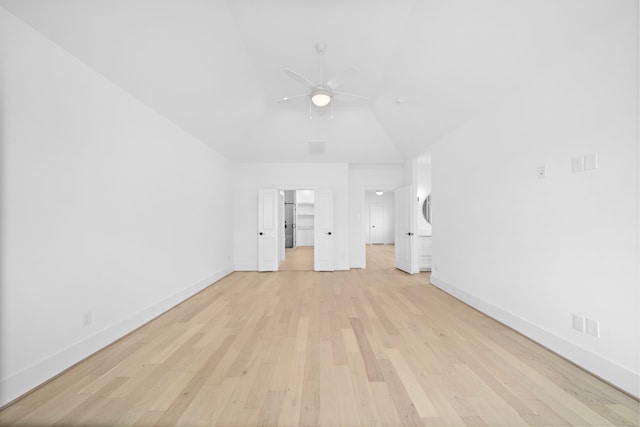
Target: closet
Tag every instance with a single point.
(304, 218)
(299, 213)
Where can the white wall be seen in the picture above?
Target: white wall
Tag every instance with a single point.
(410, 172)
(385, 200)
(106, 208)
(531, 252)
(250, 177)
(362, 178)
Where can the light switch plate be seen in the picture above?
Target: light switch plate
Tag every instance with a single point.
(593, 328)
(578, 323)
(577, 164)
(591, 161)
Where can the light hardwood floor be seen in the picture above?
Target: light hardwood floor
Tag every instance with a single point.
(372, 347)
(299, 258)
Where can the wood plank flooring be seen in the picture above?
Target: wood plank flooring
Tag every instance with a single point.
(372, 347)
(299, 258)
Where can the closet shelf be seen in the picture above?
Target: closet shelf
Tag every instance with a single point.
(304, 212)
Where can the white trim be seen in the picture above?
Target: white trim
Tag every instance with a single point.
(16, 385)
(254, 267)
(617, 375)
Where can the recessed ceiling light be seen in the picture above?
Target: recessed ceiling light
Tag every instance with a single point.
(379, 193)
(400, 100)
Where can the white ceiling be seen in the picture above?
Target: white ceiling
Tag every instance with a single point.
(213, 67)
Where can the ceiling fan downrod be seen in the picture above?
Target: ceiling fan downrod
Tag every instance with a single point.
(321, 47)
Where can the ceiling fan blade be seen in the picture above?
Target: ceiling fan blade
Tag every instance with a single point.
(350, 95)
(342, 77)
(299, 78)
(293, 98)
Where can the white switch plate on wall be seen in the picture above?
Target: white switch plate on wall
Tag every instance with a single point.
(591, 161)
(584, 163)
(593, 327)
(577, 164)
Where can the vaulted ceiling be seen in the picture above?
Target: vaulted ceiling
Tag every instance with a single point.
(214, 67)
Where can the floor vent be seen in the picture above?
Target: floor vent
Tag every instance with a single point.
(316, 147)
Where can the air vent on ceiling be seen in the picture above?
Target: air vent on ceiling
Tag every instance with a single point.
(316, 147)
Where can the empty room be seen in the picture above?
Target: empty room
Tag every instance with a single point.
(319, 213)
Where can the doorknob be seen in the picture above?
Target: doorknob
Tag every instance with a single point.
(409, 234)
(329, 233)
(261, 233)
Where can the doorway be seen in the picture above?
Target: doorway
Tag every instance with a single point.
(299, 209)
(379, 219)
(313, 227)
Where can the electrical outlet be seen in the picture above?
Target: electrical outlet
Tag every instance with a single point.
(86, 318)
(593, 328)
(578, 323)
(542, 171)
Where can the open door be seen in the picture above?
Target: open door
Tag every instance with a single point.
(323, 235)
(405, 226)
(268, 254)
(281, 227)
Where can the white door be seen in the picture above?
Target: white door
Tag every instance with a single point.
(377, 223)
(406, 205)
(281, 235)
(268, 230)
(323, 234)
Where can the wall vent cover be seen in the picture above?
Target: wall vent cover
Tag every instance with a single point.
(316, 147)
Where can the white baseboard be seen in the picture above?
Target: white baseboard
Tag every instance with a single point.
(18, 384)
(254, 267)
(246, 267)
(609, 371)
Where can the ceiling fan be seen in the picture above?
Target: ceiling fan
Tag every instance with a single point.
(323, 93)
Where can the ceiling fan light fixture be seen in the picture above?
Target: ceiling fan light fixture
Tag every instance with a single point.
(321, 97)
